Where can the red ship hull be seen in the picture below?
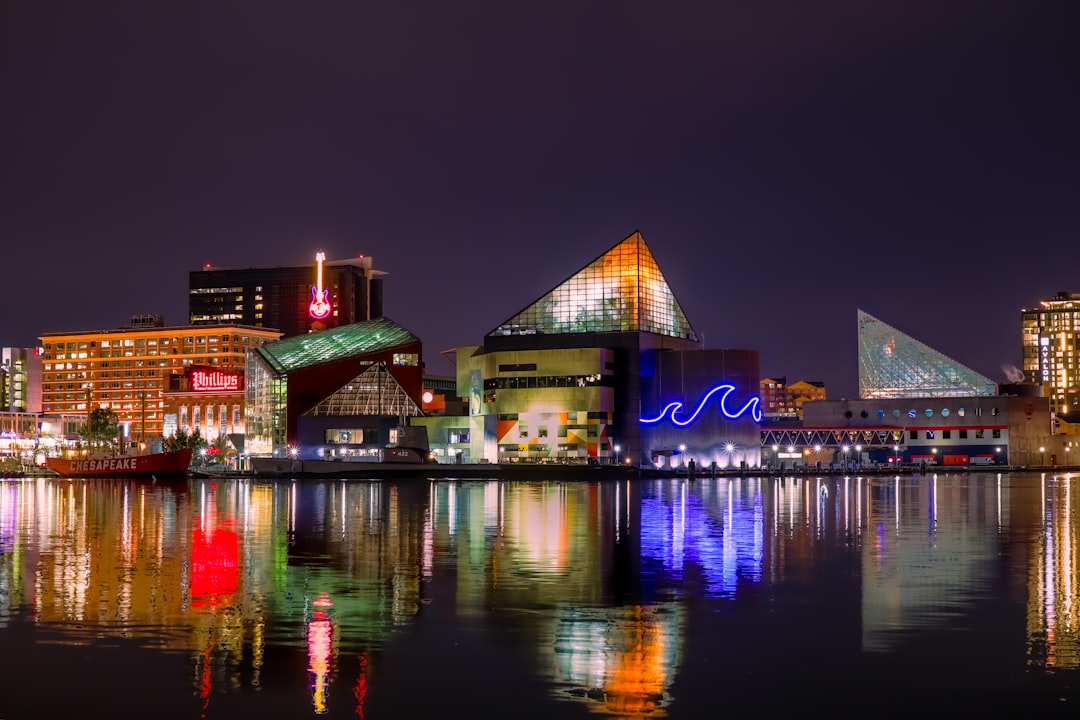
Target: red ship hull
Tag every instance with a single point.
(167, 464)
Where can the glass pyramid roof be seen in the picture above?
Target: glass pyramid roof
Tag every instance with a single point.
(623, 290)
(895, 365)
(351, 340)
(373, 392)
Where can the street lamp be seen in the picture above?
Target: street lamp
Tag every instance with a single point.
(617, 448)
(1042, 454)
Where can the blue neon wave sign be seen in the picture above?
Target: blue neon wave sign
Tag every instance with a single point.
(752, 406)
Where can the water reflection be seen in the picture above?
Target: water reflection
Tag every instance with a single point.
(308, 588)
(1053, 618)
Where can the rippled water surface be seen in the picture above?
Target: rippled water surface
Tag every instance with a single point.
(462, 598)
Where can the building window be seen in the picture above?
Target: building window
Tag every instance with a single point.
(963, 434)
(946, 434)
(996, 433)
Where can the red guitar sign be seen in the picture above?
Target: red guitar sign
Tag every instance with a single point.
(320, 305)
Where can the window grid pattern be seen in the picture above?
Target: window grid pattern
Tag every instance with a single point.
(621, 291)
(1051, 350)
(372, 392)
(894, 365)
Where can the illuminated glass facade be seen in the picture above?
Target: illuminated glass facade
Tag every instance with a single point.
(264, 409)
(360, 377)
(1051, 346)
(895, 365)
(623, 290)
(372, 392)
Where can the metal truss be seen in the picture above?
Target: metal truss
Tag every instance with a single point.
(869, 437)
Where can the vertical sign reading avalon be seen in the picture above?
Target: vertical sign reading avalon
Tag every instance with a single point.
(1044, 358)
(320, 305)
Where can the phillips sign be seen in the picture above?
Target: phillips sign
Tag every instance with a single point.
(209, 380)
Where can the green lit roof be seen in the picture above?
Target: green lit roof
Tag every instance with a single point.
(623, 290)
(316, 348)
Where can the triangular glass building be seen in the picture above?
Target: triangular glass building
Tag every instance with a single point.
(373, 392)
(623, 290)
(895, 365)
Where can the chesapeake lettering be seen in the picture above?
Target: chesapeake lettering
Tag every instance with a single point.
(104, 464)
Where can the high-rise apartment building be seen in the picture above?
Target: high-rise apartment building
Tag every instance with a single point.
(1050, 335)
(15, 379)
(779, 400)
(294, 300)
(128, 369)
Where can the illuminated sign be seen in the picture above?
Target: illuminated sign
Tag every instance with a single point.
(214, 381)
(752, 406)
(1044, 358)
(320, 306)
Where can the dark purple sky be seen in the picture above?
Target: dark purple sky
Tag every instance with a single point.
(787, 162)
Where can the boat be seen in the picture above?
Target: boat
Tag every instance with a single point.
(151, 465)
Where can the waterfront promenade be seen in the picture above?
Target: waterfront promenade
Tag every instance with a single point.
(538, 471)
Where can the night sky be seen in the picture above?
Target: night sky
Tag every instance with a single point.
(787, 162)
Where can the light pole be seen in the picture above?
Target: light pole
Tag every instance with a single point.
(1042, 456)
(617, 448)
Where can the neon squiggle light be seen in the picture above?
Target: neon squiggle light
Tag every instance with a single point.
(752, 406)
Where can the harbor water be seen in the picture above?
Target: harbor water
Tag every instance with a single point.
(678, 597)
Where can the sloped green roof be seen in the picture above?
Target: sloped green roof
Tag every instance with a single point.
(353, 340)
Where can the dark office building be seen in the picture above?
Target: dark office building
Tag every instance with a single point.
(293, 300)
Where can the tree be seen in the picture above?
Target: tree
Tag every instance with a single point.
(180, 439)
(220, 449)
(103, 427)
